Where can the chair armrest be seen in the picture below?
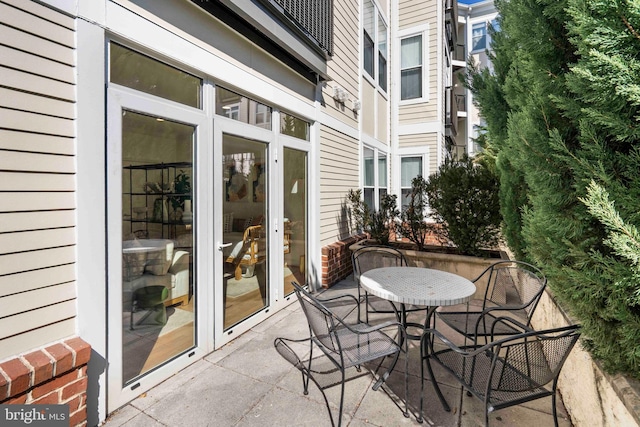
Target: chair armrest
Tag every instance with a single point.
(512, 321)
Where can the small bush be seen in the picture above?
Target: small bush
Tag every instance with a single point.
(379, 224)
(464, 203)
(414, 225)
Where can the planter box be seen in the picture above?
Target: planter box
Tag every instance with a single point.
(592, 397)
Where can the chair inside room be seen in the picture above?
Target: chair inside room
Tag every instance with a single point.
(368, 258)
(512, 288)
(345, 346)
(510, 371)
(248, 252)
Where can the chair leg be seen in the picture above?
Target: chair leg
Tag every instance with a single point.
(555, 410)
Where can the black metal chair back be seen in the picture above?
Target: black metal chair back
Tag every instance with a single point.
(510, 371)
(370, 257)
(513, 283)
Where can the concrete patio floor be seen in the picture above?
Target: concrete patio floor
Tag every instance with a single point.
(247, 383)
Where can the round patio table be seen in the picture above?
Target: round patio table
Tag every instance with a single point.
(418, 286)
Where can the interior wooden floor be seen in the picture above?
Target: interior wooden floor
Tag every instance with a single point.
(149, 351)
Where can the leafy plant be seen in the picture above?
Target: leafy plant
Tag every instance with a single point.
(413, 223)
(464, 205)
(182, 187)
(379, 224)
(382, 222)
(357, 210)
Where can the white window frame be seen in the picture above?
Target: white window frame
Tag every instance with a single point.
(378, 18)
(485, 35)
(376, 187)
(423, 31)
(421, 152)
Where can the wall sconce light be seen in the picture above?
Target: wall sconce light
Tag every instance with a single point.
(357, 105)
(339, 94)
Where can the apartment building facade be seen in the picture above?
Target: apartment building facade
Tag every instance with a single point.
(168, 168)
(475, 18)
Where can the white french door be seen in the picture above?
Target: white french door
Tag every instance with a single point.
(156, 298)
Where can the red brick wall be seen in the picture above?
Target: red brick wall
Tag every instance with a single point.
(336, 260)
(56, 374)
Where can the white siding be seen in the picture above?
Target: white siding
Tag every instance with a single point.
(37, 182)
(339, 174)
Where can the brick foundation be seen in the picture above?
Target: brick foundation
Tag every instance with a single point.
(56, 374)
(336, 260)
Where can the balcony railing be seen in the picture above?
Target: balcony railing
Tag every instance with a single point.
(313, 17)
(451, 113)
(451, 22)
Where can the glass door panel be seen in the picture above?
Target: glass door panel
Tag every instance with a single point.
(244, 219)
(158, 311)
(295, 217)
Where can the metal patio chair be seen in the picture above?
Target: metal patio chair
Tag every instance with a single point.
(368, 258)
(512, 287)
(342, 345)
(513, 370)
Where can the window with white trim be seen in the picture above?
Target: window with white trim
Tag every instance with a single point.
(375, 35)
(374, 179)
(479, 36)
(410, 167)
(411, 74)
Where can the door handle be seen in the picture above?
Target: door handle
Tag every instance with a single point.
(221, 246)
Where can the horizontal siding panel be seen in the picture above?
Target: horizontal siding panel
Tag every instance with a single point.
(36, 162)
(43, 12)
(41, 27)
(33, 64)
(36, 279)
(16, 263)
(24, 141)
(36, 45)
(10, 181)
(20, 221)
(27, 301)
(36, 240)
(36, 104)
(21, 202)
(36, 84)
(24, 322)
(36, 338)
(38, 123)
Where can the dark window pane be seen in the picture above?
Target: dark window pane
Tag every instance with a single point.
(382, 72)
(132, 69)
(411, 83)
(368, 54)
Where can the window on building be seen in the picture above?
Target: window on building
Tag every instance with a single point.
(369, 34)
(411, 67)
(369, 180)
(382, 54)
(374, 180)
(293, 126)
(239, 107)
(479, 36)
(410, 167)
(375, 35)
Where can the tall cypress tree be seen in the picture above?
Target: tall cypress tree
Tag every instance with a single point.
(567, 79)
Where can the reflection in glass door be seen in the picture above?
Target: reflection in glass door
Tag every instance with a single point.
(245, 256)
(158, 312)
(295, 217)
